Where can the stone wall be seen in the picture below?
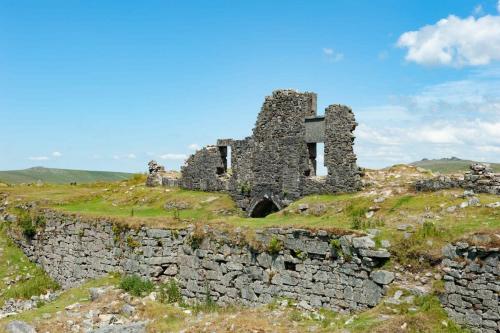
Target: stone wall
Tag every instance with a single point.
(277, 164)
(479, 179)
(205, 171)
(340, 160)
(317, 268)
(472, 286)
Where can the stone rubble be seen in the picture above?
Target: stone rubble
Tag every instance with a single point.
(157, 176)
(15, 306)
(480, 179)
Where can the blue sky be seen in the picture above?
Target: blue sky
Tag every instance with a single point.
(109, 85)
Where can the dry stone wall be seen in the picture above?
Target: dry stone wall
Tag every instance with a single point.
(479, 179)
(317, 268)
(472, 286)
(205, 171)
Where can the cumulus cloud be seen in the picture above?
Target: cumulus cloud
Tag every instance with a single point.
(38, 158)
(454, 41)
(489, 149)
(56, 154)
(455, 118)
(131, 156)
(194, 146)
(332, 55)
(173, 157)
(478, 10)
(365, 132)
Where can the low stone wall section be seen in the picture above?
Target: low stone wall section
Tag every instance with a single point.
(472, 286)
(480, 179)
(316, 268)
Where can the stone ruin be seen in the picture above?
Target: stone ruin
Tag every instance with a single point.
(277, 164)
(157, 176)
(480, 179)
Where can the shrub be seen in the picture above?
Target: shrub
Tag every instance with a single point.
(26, 223)
(429, 230)
(170, 292)
(136, 285)
(197, 237)
(336, 246)
(356, 223)
(275, 246)
(356, 214)
(131, 242)
(177, 214)
(36, 285)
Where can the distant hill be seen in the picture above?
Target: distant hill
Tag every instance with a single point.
(59, 176)
(449, 165)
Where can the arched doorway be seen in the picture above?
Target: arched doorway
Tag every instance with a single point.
(263, 208)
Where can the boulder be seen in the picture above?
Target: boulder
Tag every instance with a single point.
(363, 243)
(96, 293)
(382, 277)
(18, 326)
(129, 328)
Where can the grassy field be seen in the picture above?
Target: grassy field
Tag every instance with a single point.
(450, 165)
(426, 218)
(429, 222)
(59, 176)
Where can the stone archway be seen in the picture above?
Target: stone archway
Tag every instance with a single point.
(263, 207)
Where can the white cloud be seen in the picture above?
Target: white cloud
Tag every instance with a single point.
(56, 154)
(455, 118)
(39, 158)
(365, 132)
(173, 157)
(478, 10)
(131, 156)
(454, 41)
(116, 157)
(194, 146)
(437, 133)
(489, 149)
(498, 6)
(332, 55)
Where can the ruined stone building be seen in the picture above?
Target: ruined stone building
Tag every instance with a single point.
(277, 164)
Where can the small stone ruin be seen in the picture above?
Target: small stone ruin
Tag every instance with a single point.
(277, 164)
(480, 179)
(157, 176)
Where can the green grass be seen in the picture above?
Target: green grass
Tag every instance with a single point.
(59, 176)
(169, 292)
(136, 285)
(342, 212)
(14, 263)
